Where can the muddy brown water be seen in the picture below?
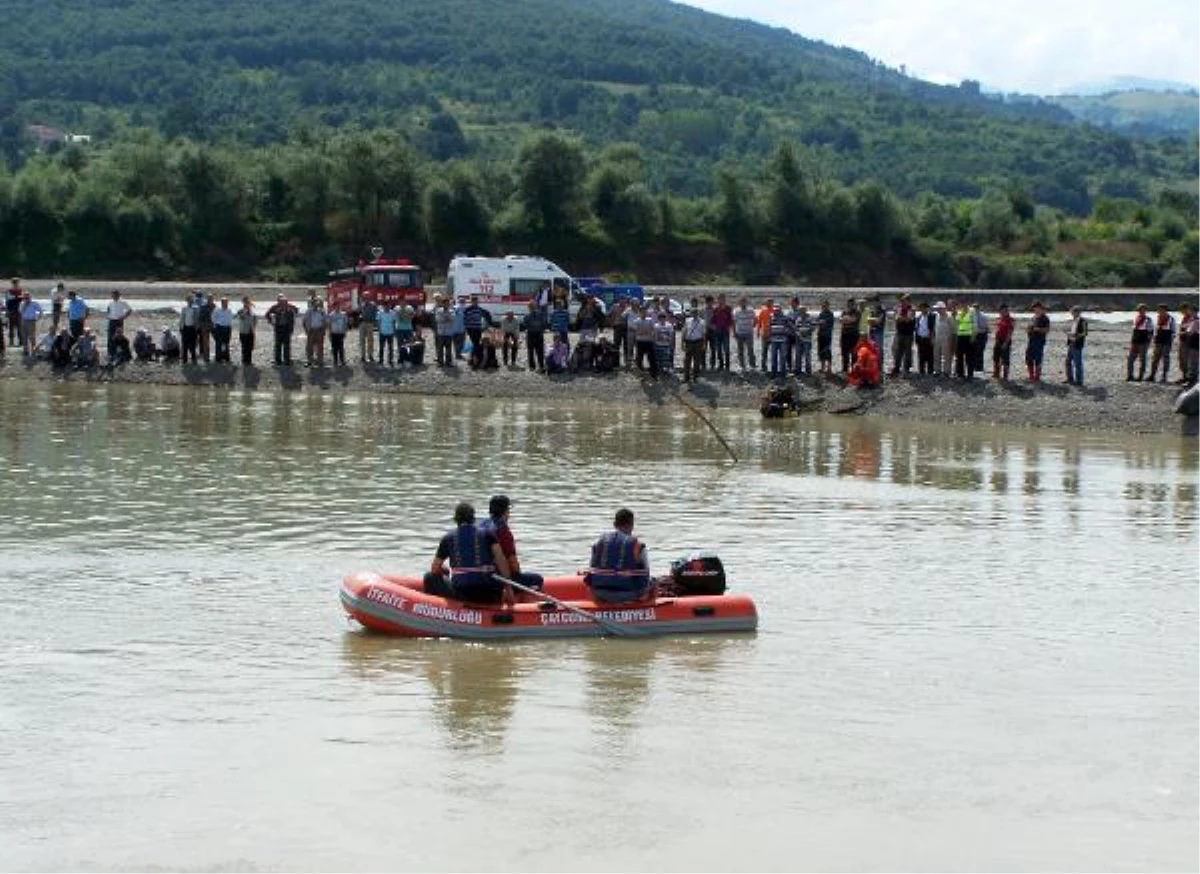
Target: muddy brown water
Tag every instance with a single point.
(978, 648)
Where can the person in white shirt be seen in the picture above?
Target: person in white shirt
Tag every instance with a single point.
(245, 320)
(743, 332)
(222, 320)
(695, 329)
(314, 324)
(118, 311)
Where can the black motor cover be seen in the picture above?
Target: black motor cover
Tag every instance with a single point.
(699, 573)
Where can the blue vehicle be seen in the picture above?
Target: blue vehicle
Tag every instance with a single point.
(610, 294)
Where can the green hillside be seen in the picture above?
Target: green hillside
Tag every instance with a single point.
(472, 76)
(1137, 111)
(278, 137)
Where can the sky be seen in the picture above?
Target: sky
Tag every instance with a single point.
(1031, 46)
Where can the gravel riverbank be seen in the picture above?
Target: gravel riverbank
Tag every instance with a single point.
(1105, 403)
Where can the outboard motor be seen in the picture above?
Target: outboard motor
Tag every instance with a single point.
(698, 573)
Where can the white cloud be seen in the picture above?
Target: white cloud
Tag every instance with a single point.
(1022, 45)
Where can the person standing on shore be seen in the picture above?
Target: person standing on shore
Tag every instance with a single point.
(1187, 331)
(244, 320)
(386, 319)
(803, 324)
(664, 343)
(534, 325)
(204, 326)
(314, 324)
(222, 331)
(189, 331)
(1164, 336)
(30, 312)
(762, 324)
(923, 335)
(443, 333)
(964, 343)
(58, 299)
(743, 332)
(720, 327)
(1076, 337)
(475, 319)
(510, 336)
(643, 336)
(1035, 346)
(849, 321)
(367, 316)
(339, 326)
(980, 340)
(282, 317)
(460, 329)
(12, 308)
(406, 326)
(1002, 348)
(902, 343)
(1189, 345)
(693, 345)
(77, 313)
(944, 332)
(825, 322)
(1139, 344)
(118, 311)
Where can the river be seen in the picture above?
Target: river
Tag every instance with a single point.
(977, 651)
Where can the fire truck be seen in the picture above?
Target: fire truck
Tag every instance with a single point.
(381, 280)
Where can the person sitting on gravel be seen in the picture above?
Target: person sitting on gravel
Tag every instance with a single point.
(169, 346)
(85, 353)
(119, 351)
(865, 372)
(60, 350)
(559, 357)
(143, 346)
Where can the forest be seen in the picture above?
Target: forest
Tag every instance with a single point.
(635, 137)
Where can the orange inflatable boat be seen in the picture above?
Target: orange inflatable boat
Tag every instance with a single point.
(399, 605)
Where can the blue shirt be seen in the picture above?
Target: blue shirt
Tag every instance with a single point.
(77, 309)
(387, 322)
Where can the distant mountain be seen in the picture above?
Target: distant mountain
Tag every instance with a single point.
(474, 78)
(1137, 111)
(1128, 83)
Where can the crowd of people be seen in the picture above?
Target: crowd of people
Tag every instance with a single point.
(946, 339)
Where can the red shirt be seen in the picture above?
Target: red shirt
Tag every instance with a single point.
(1004, 329)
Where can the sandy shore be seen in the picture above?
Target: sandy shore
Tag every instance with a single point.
(1106, 403)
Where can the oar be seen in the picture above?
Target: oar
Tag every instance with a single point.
(614, 628)
(711, 426)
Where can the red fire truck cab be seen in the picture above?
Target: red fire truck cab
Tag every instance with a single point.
(381, 280)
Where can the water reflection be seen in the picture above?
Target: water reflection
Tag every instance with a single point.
(473, 687)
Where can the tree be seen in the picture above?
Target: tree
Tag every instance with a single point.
(550, 176)
(447, 137)
(455, 216)
(736, 226)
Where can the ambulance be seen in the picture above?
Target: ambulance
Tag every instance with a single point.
(508, 284)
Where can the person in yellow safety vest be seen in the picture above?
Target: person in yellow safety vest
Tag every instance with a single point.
(964, 345)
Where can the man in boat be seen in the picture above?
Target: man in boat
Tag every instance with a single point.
(499, 508)
(475, 557)
(620, 568)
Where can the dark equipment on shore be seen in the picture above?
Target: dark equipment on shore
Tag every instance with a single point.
(1188, 402)
(778, 401)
